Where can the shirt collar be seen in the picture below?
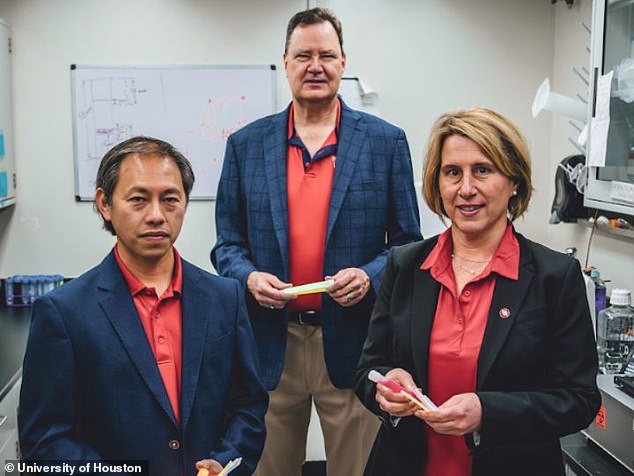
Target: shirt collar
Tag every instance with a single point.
(328, 149)
(292, 133)
(505, 261)
(136, 286)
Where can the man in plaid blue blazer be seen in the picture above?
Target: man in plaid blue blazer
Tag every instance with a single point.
(311, 354)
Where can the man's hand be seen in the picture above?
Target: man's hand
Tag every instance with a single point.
(266, 289)
(350, 286)
(396, 404)
(208, 467)
(459, 415)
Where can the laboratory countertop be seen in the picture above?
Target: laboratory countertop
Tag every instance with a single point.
(587, 459)
(14, 331)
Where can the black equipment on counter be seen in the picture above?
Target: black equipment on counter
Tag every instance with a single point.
(570, 180)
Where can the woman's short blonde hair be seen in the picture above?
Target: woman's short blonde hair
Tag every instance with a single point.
(498, 139)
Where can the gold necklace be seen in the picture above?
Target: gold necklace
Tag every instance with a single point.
(471, 271)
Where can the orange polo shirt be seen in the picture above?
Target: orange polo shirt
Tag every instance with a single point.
(161, 317)
(309, 182)
(455, 340)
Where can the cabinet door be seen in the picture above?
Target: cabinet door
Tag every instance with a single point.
(9, 423)
(9, 447)
(611, 185)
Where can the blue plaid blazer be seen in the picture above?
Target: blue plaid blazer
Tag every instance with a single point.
(372, 208)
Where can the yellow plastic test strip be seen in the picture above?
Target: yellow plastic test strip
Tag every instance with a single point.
(310, 288)
(418, 403)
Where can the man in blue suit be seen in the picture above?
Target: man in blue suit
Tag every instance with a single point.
(316, 192)
(145, 357)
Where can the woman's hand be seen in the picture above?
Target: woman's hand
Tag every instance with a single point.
(459, 415)
(394, 403)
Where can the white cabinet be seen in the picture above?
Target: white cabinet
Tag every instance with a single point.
(611, 186)
(9, 452)
(7, 168)
(9, 424)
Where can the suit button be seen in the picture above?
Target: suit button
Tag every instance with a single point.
(174, 445)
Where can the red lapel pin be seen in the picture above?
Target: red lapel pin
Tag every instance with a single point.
(505, 313)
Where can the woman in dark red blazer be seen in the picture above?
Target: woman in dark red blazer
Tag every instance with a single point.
(493, 327)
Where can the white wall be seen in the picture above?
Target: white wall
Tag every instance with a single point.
(423, 56)
(48, 232)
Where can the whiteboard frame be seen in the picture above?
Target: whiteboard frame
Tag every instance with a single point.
(79, 195)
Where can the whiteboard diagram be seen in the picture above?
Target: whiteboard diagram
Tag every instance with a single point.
(195, 108)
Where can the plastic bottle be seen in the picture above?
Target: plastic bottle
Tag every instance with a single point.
(599, 292)
(38, 286)
(8, 290)
(590, 290)
(615, 333)
(18, 290)
(29, 288)
(591, 298)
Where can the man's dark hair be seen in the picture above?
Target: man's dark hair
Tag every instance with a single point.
(108, 173)
(310, 17)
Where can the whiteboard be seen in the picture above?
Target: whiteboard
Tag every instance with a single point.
(195, 108)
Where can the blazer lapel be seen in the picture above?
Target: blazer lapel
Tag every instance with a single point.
(424, 303)
(275, 145)
(196, 305)
(117, 304)
(505, 304)
(351, 137)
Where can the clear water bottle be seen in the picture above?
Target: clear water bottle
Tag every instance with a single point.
(615, 333)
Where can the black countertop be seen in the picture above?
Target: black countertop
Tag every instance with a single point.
(14, 331)
(587, 459)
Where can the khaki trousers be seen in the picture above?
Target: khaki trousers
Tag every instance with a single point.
(348, 428)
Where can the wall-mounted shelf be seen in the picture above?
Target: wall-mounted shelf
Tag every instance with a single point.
(622, 233)
(4, 203)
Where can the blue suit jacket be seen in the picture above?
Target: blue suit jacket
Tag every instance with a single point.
(372, 208)
(91, 388)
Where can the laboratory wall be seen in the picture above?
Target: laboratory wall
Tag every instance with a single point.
(423, 57)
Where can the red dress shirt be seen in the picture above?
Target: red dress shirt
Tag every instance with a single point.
(455, 340)
(161, 318)
(309, 182)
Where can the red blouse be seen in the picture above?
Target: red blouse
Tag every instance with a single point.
(455, 340)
